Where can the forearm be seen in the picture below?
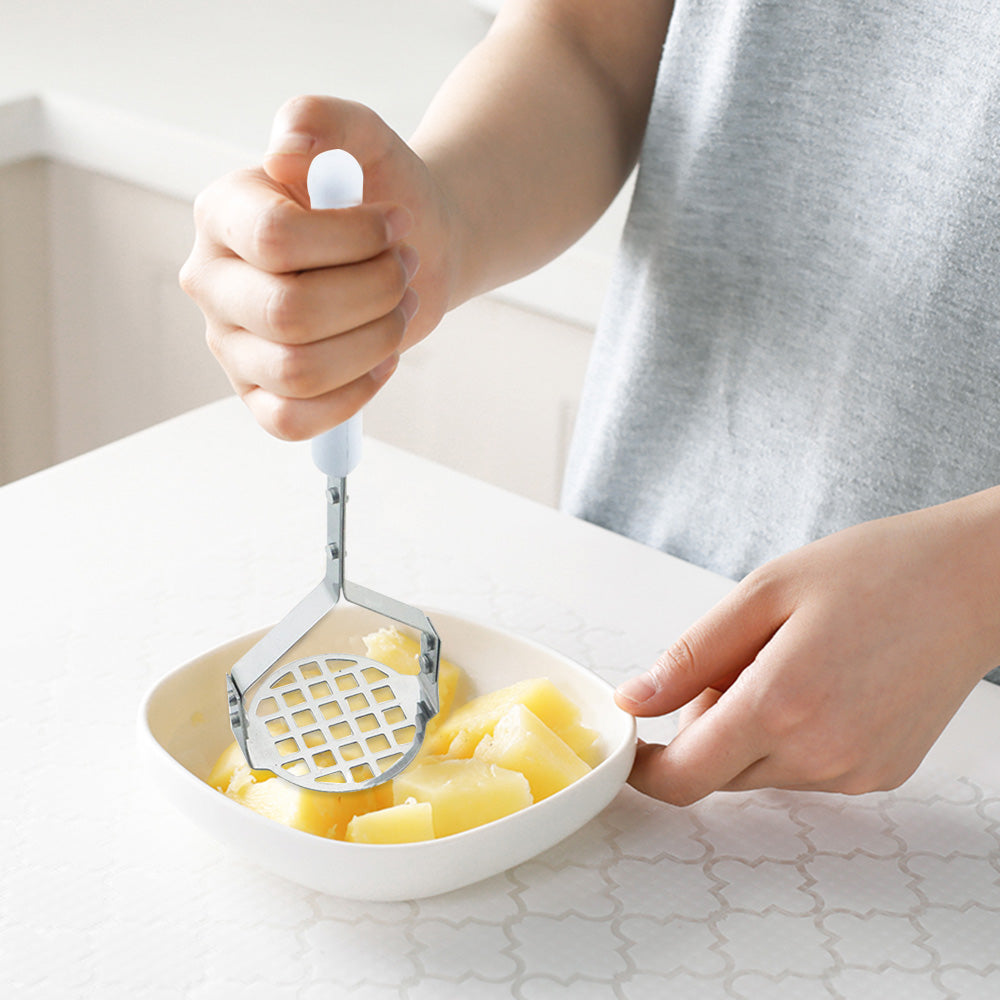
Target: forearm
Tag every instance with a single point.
(536, 130)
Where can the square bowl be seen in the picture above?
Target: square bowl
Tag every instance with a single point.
(183, 727)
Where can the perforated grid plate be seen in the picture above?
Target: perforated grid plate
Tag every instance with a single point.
(336, 719)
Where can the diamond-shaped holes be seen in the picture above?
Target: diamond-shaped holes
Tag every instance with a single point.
(320, 690)
(361, 772)
(293, 698)
(277, 727)
(333, 778)
(366, 723)
(331, 710)
(377, 743)
(304, 718)
(384, 763)
(340, 730)
(405, 734)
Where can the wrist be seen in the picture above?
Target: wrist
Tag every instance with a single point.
(970, 563)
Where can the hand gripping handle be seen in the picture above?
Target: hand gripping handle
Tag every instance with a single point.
(335, 181)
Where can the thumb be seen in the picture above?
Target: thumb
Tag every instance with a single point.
(305, 126)
(711, 654)
(297, 135)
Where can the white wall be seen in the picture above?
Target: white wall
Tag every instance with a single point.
(97, 341)
(26, 431)
(114, 115)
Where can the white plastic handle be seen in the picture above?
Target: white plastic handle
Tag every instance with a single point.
(336, 181)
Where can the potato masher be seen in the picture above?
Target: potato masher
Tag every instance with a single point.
(334, 722)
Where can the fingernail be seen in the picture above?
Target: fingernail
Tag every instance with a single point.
(290, 144)
(410, 259)
(398, 222)
(381, 372)
(637, 689)
(409, 304)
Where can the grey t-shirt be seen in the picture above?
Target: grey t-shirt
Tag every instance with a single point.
(803, 329)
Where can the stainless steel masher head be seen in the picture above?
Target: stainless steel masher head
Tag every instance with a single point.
(333, 721)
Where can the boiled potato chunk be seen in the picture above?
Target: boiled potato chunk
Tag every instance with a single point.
(324, 813)
(226, 766)
(463, 793)
(403, 824)
(522, 742)
(583, 742)
(477, 718)
(399, 652)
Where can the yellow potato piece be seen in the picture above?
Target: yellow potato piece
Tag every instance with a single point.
(476, 718)
(225, 768)
(583, 742)
(463, 793)
(463, 745)
(400, 652)
(323, 813)
(522, 742)
(402, 824)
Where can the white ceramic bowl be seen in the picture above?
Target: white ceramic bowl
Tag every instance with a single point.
(184, 726)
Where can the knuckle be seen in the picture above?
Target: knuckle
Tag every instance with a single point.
(285, 421)
(677, 661)
(782, 715)
(270, 241)
(764, 586)
(215, 339)
(187, 277)
(682, 795)
(283, 312)
(392, 332)
(291, 371)
(202, 209)
(392, 279)
(209, 202)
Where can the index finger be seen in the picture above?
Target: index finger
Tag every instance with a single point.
(249, 215)
(710, 654)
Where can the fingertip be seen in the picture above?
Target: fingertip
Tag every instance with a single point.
(382, 372)
(286, 166)
(635, 692)
(398, 223)
(648, 771)
(284, 142)
(409, 304)
(655, 774)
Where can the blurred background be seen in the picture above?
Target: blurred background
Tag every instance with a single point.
(113, 115)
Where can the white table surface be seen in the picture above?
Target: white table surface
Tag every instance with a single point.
(126, 562)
